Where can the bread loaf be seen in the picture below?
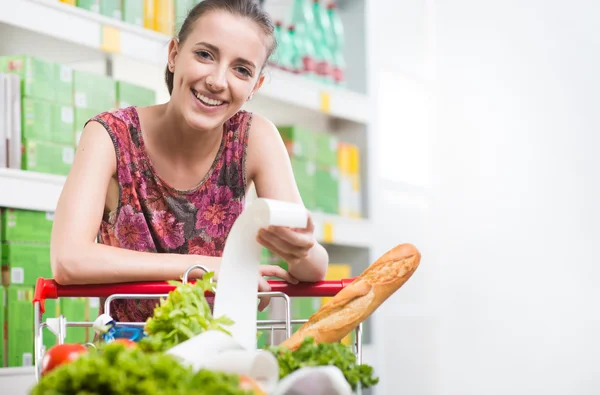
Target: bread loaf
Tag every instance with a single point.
(358, 300)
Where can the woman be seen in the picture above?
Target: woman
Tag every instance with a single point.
(162, 185)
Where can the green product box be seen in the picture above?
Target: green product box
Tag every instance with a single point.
(63, 124)
(36, 119)
(48, 158)
(303, 308)
(327, 190)
(93, 90)
(63, 84)
(37, 75)
(134, 95)
(299, 142)
(326, 149)
(304, 173)
(82, 115)
(52, 310)
(26, 262)
(2, 326)
(133, 12)
(19, 326)
(74, 310)
(112, 9)
(26, 226)
(90, 5)
(93, 311)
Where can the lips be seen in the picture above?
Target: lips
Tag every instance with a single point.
(207, 101)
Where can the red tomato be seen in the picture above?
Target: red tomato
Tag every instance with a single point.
(59, 354)
(126, 342)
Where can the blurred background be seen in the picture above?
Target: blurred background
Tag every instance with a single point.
(468, 128)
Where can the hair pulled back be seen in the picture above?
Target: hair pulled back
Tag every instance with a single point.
(250, 9)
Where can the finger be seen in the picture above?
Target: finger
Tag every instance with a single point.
(263, 286)
(278, 271)
(296, 238)
(282, 247)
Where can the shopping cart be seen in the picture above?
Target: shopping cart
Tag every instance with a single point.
(49, 289)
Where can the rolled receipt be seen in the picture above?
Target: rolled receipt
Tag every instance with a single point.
(237, 286)
(215, 350)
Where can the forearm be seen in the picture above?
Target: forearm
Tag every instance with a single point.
(313, 268)
(102, 264)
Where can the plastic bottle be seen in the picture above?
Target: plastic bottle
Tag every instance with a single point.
(296, 50)
(303, 21)
(323, 43)
(337, 34)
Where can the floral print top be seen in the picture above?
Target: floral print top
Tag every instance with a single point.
(154, 217)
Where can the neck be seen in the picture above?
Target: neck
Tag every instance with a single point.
(173, 134)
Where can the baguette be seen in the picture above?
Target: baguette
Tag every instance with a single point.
(358, 300)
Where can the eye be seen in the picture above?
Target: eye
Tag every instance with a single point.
(204, 54)
(244, 71)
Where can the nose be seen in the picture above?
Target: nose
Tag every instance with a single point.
(217, 80)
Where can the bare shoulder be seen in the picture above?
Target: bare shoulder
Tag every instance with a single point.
(265, 146)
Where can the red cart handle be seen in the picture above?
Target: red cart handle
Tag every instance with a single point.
(49, 289)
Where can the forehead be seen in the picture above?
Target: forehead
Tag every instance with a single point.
(233, 35)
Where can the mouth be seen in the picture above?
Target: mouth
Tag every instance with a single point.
(207, 101)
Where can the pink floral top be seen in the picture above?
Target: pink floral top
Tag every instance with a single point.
(154, 217)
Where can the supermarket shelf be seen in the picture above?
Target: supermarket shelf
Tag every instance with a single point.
(28, 190)
(17, 381)
(74, 25)
(35, 191)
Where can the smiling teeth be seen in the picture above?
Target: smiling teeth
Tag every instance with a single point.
(206, 100)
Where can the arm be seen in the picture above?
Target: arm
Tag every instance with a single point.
(75, 257)
(270, 169)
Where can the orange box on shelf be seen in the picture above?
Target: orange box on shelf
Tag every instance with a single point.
(164, 17)
(150, 14)
(70, 2)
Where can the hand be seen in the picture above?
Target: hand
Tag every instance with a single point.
(263, 285)
(291, 244)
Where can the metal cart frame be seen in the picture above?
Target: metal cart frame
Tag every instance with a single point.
(50, 289)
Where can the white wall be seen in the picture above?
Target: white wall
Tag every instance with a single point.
(506, 299)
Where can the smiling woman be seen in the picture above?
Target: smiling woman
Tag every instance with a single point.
(162, 185)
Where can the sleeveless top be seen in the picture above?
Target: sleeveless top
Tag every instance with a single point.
(154, 217)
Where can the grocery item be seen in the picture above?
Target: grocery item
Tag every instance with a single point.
(60, 354)
(358, 300)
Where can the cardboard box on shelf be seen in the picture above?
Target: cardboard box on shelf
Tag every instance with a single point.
(63, 124)
(355, 181)
(36, 119)
(165, 17)
(133, 12)
(37, 75)
(90, 5)
(63, 84)
(150, 14)
(112, 8)
(300, 142)
(326, 149)
(52, 310)
(327, 190)
(26, 262)
(134, 95)
(2, 327)
(26, 226)
(304, 173)
(19, 326)
(48, 158)
(93, 90)
(74, 310)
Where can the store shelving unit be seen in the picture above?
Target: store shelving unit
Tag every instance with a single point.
(90, 41)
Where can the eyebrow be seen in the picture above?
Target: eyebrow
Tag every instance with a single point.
(216, 50)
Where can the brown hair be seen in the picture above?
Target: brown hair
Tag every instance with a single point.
(250, 9)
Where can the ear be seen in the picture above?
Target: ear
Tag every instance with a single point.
(173, 51)
(258, 84)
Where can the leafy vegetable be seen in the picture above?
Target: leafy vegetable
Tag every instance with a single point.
(118, 369)
(311, 354)
(184, 314)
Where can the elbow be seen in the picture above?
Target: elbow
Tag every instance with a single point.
(64, 269)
